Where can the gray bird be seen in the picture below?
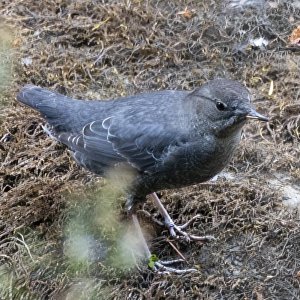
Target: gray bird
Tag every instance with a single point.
(169, 138)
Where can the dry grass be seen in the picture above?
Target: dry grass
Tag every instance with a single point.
(102, 49)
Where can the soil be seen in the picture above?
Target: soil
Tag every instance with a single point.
(63, 232)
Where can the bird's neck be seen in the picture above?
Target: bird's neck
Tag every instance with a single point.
(229, 129)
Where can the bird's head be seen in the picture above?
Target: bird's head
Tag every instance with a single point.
(225, 104)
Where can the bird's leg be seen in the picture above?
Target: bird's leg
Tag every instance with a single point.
(157, 265)
(175, 228)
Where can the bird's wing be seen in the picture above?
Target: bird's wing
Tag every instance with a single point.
(102, 144)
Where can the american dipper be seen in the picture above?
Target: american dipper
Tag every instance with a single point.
(170, 138)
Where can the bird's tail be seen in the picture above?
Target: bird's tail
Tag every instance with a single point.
(38, 98)
(54, 107)
(62, 113)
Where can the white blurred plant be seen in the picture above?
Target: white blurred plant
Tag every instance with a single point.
(6, 55)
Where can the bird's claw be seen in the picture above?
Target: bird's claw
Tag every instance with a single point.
(176, 231)
(162, 267)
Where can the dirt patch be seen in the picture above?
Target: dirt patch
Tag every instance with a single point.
(51, 243)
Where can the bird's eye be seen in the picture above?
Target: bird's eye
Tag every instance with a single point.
(220, 105)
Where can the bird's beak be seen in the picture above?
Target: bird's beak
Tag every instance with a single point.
(252, 114)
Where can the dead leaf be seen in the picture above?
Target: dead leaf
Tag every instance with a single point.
(295, 36)
(187, 13)
(271, 89)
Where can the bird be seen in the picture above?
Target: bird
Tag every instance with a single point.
(168, 138)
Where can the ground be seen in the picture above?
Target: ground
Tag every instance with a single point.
(63, 234)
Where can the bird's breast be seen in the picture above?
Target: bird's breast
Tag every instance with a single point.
(209, 157)
(192, 164)
(221, 156)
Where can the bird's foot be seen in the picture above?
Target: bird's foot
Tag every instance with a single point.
(177, 231)
(158, 266)
(162, 267)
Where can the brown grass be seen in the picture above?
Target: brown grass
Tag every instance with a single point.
(102, 49)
